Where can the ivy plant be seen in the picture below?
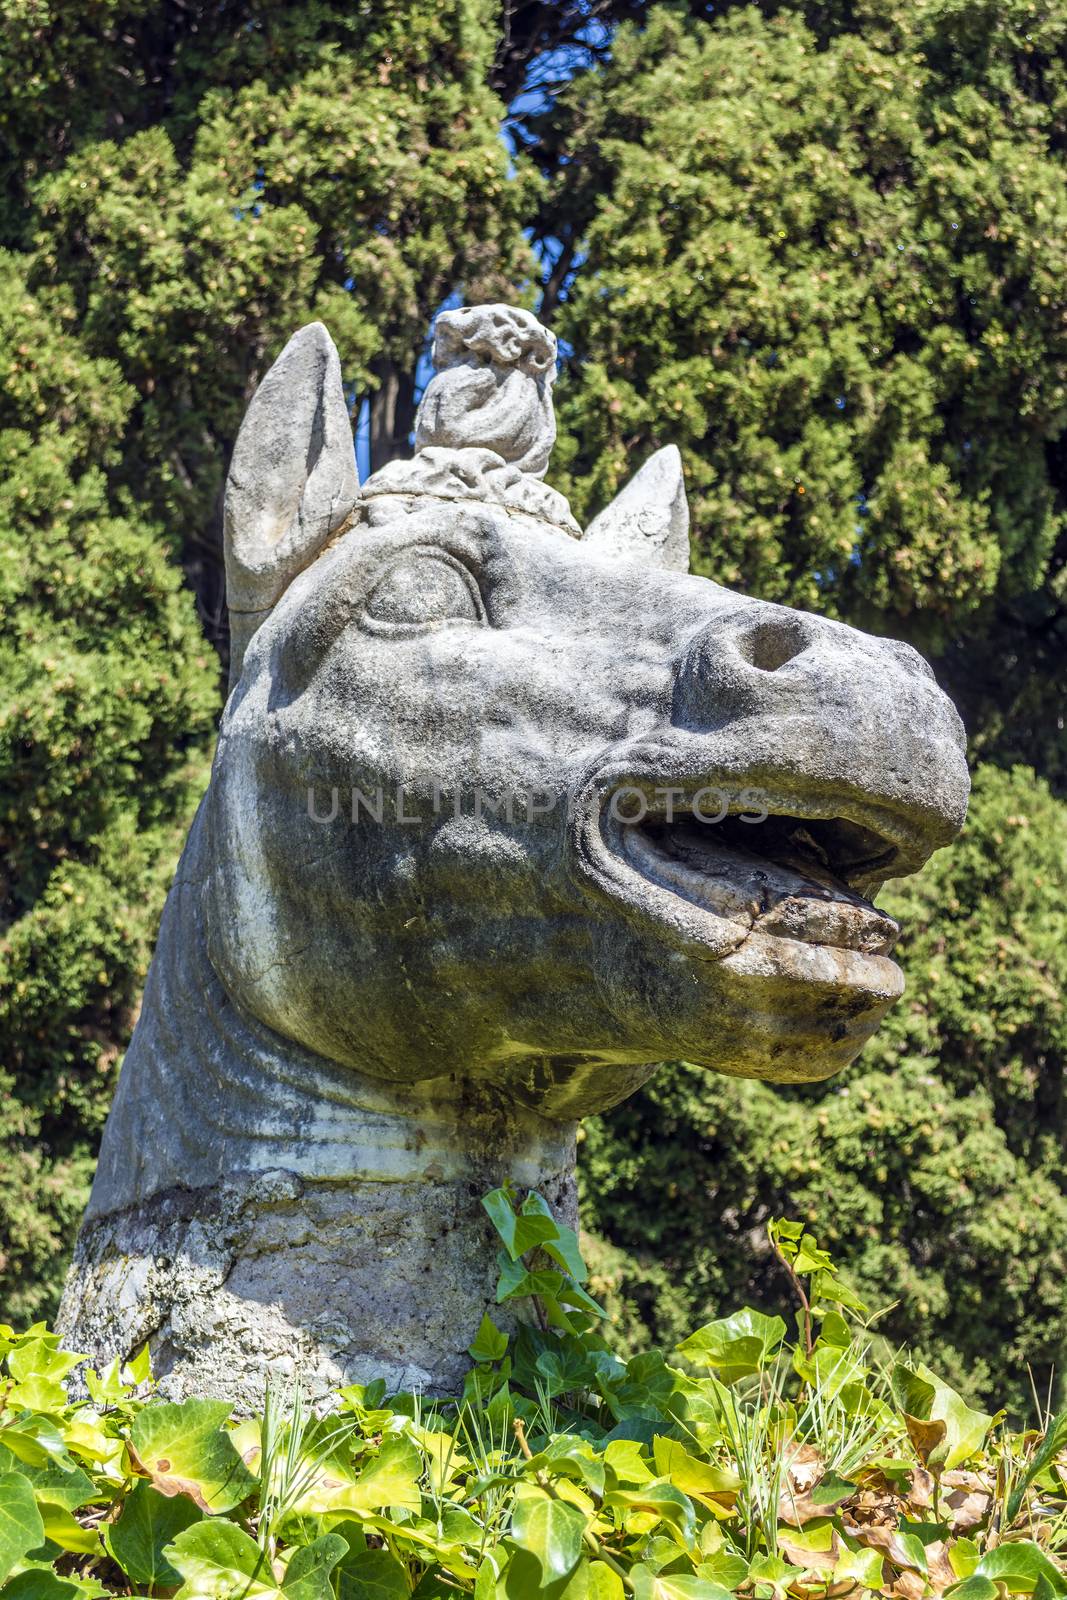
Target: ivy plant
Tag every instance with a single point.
(753, 1461)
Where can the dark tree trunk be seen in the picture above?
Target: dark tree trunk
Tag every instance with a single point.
(392, 412)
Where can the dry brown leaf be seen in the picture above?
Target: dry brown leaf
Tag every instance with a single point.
(887, 1540)
(797, 1509)
(969, 1498)
(920, 1488)
(942, 1576)
(805, 1467)
(814, 1582)
(925, 1436)
(907, 1585)
(815, 1586)
(805, 1470)
(876, 1506)
(960, 1478)
(967, 1509)
(813, 1561)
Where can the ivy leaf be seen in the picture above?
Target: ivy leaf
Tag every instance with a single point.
(912, 1394)
(828, 1286)
(489, 1343)
(594, 1580)
(139, 1370)
(60, 1484)
(974, 1588)
(106, 1388)
(914, 1549)
(39, 1368)
(660, 1498)
(41, 1357)
(834, 1332)
(568, 1457)
(735, 1346)
(963, 1557)
(810, 1258)
(518, 1282)
(219, 1560)
(1022, 1567)
(649, 1585)
(572, 1294)
(863, 1567)
(518, 1232)
(830, 1368)
(716, 1487)
(627, 1463)
(550, 1531)
(373, 1575)
(563, 1369)
(33, 1442)
(390, 1479)
(772, 1571)
(149, 1521)
(308, 1575)
(726, 1568)
(63, 1529)
(563, 1245)
(924, 1397)
(42, 1583)
(183, 1449)
(21, 1527)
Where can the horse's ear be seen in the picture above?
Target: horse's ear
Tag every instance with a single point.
(292, 481)
(648, 521)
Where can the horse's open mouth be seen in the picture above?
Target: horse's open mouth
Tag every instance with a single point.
(792, 877)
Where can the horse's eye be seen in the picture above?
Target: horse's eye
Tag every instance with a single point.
(423, 590)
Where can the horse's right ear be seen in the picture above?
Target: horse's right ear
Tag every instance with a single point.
(648, 520)
(292, 481)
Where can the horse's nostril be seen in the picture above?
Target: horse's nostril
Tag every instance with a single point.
(770, 644)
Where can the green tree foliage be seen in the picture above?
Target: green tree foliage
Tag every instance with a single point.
(107, 692)
(837, 277)
(934, 1165)
(205, 179)
(185, 185)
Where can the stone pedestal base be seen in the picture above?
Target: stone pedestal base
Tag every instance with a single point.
(336, 1283)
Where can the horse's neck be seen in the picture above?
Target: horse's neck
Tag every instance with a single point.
(208, 1093)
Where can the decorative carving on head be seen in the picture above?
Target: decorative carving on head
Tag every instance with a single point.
(485, 428)
(493, 389)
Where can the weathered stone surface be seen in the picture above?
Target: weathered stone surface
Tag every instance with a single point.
(267, 1273)
(493, 389)
(649, 520)
(467, 474)
(292, 481)
(572, 812)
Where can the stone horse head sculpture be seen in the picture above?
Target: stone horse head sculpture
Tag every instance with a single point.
(502, 814)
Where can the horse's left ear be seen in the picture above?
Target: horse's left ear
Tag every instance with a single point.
(292, 481)
(648, 521)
